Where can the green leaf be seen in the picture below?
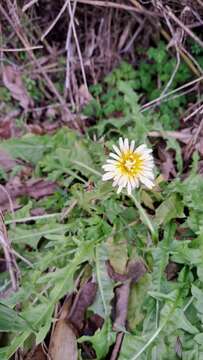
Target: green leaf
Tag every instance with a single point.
(10, 320)
(105, 293)
(101, 340)
(169, 209)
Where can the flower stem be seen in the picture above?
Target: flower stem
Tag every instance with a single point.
(144, 217)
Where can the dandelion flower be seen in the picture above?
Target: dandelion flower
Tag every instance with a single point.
(129, 167)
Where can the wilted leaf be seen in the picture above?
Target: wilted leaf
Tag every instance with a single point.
(12, 80)
(122, 296)
(6, 161)
(83, 299)
(35, 188)
(63, 343)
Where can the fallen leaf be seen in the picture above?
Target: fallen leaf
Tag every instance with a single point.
(92, 324)
(84, 95)
(15, 188)
(122, 296)
(63, 343)
(6, 161)
(36, 354)
(135, 270)
(12, 80)
(40, 188)
(172, 270)
(82, 301)
(167, 163)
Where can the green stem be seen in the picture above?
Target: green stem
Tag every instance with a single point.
(144, 217)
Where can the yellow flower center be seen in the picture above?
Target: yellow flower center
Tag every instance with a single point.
(130, 164)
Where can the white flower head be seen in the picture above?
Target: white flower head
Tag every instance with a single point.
(129, 166)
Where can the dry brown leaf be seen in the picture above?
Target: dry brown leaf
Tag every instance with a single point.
(122, 296)
(83, 299)
(63, 343)
(135, 270)
(84, 95)
(15, 188)
(167, 163)
(12, 80)
(36, 354)
(6, 161)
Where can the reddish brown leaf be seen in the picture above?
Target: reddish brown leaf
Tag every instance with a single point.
(40, 188)
(6, 162)
(83, 299)
(114, 275)
(36, 354)
(12, 80)
(172, 270)
(92, 324)
(136, 269)
(16, 188)
(122, 296)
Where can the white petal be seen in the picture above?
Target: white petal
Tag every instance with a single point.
(109, 161)
(143, 149)
(126, 144)
(108, 176)
(119, 189)
(116, 180)
(114, 156)
(123, 181)
(129, 187)
(109, 167)
(134, 182)
(116, 149)
(121, 144)
(132, 145)
(148, 174)
(148, 183)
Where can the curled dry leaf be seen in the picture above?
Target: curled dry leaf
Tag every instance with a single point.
(82, 301)
(12, 80)
(135, 270)
(63, 343)
(122, 296)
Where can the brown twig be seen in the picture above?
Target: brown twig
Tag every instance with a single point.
(9, 256)
(16, 26)
(184, 27)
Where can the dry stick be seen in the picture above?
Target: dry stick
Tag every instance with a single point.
(177, 57)
(184, 27)
(199, 109)
(168, 38)
(56, 20)
(22, 49)
(172, 92)
(140, 10)
(27, 6)
(10, 259)
(77, 43)
(25, 42)
(68, 39)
